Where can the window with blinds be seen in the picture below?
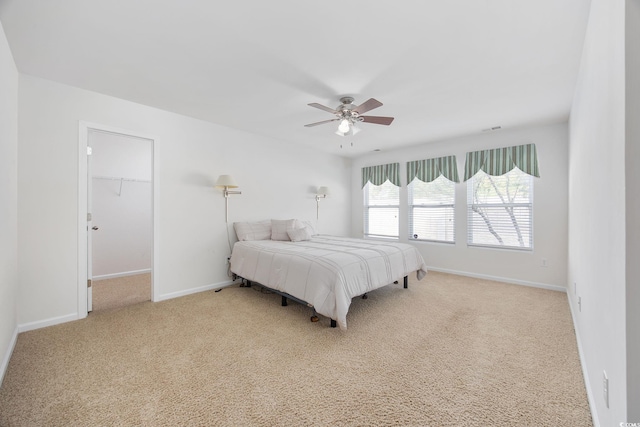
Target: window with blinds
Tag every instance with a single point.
(381, 210)
(432, 210)
(500, 210)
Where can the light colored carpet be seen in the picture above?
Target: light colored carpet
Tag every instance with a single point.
(448, 351)
(121, 291)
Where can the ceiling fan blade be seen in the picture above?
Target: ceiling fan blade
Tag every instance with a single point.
(322, 107)
(377, 120)
(369, 105)
(320, 123)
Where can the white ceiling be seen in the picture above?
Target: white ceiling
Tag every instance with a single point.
(442, 68)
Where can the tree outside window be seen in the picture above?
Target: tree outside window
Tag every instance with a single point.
(500, 210)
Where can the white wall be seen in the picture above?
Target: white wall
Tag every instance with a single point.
(597, 229)
(8, 202)
(632, 156)
(277, 180)
(121, 208)
(550, 208)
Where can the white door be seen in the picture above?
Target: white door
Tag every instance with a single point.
(90, 230)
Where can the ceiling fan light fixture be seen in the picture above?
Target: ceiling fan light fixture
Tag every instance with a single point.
(352, 130)
(344, 126)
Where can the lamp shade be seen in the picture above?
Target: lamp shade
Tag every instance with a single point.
(324, 190)
(226, 181)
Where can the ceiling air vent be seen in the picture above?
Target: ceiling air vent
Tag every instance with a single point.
(495, 128)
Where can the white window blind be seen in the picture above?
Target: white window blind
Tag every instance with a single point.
(432, 210)
(381, 210)
(500, 210)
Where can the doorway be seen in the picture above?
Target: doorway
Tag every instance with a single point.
(119, 205)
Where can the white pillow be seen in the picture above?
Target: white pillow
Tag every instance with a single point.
(279, 228)
(253, 230)
(299, 234)
(302, 224)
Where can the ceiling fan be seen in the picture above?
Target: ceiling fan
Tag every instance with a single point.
(349, 115)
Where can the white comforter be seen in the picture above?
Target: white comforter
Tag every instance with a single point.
(326, 271)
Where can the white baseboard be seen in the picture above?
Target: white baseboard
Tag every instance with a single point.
(501, 279)
(587, 383)
(7, 354)
(178, 294)
(74, 316)
(122, 274)
(47, 322)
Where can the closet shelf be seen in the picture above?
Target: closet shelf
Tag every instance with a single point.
(114, 178)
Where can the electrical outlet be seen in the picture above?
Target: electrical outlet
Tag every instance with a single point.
(605, 388)
(544, 262)
(579, 304)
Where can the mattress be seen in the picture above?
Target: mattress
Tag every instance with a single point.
(326, 271)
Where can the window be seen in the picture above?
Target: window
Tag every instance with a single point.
(381, 190)
(381, 208)
(432, 198)
(500, 210)
(431, 210)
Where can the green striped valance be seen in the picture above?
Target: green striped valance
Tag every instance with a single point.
(501, 160)
(430, 169)
(377, 175)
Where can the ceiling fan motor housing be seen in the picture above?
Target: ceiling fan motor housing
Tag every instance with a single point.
(345, 109)
(346, 100)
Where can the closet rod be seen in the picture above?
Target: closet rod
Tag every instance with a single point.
(113, 178)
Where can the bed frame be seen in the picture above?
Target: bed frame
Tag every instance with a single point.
(285, 296)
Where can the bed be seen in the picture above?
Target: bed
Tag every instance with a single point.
(324, 272)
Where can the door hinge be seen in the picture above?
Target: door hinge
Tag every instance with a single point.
(89, 150)
(88, 283)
